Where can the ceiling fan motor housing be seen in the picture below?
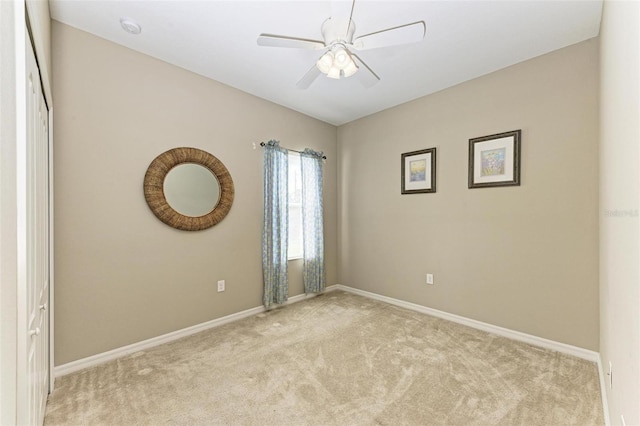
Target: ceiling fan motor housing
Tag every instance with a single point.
(338, 31)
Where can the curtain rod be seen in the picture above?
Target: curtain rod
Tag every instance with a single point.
(324, 157)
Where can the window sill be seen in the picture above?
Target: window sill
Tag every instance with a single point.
(296, 258)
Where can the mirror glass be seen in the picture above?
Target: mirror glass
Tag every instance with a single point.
(191, 189)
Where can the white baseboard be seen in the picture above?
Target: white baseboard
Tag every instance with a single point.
(603, 392)
(490, 328)
(100, 358)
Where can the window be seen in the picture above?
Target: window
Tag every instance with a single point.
(295, 207)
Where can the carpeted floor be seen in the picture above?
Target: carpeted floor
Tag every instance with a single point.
(336, 359)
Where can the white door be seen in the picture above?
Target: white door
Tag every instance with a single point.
(37, 244)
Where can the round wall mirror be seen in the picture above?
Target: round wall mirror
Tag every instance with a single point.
(188, 189)
(191, 189)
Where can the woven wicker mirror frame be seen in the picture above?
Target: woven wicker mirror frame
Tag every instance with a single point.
(154, 188)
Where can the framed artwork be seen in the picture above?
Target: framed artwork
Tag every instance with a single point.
(494, 160)
(418, 171)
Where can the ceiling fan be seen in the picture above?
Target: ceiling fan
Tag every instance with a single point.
(338, 59)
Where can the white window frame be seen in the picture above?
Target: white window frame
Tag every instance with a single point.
(295, 185)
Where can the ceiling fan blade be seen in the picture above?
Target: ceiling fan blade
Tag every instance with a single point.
(409, 33)
(308, 78)
(273, 40)
(365, 75)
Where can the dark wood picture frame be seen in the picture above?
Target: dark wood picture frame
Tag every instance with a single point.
(425, 176)
(501, 160)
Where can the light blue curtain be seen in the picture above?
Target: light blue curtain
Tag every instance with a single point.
(275, 229)
(312, 230)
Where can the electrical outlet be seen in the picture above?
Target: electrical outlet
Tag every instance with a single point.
(610, 374)
(220, 286)
(430, 279)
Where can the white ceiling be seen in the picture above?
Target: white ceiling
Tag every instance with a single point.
(217, 39)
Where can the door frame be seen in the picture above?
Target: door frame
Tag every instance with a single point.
(52, 377)
(36, 14)
(14, 39)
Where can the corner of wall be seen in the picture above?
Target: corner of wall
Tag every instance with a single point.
(619, 207)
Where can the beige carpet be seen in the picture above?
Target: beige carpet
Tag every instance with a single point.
(337, 359)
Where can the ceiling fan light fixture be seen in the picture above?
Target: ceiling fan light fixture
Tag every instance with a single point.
(342, 58)
(325, 62)
(334, 72)
(337, 62)
(350, 69)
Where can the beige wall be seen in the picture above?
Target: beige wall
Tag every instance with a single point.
(123, 276)
(524, 258)
(619, 206)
